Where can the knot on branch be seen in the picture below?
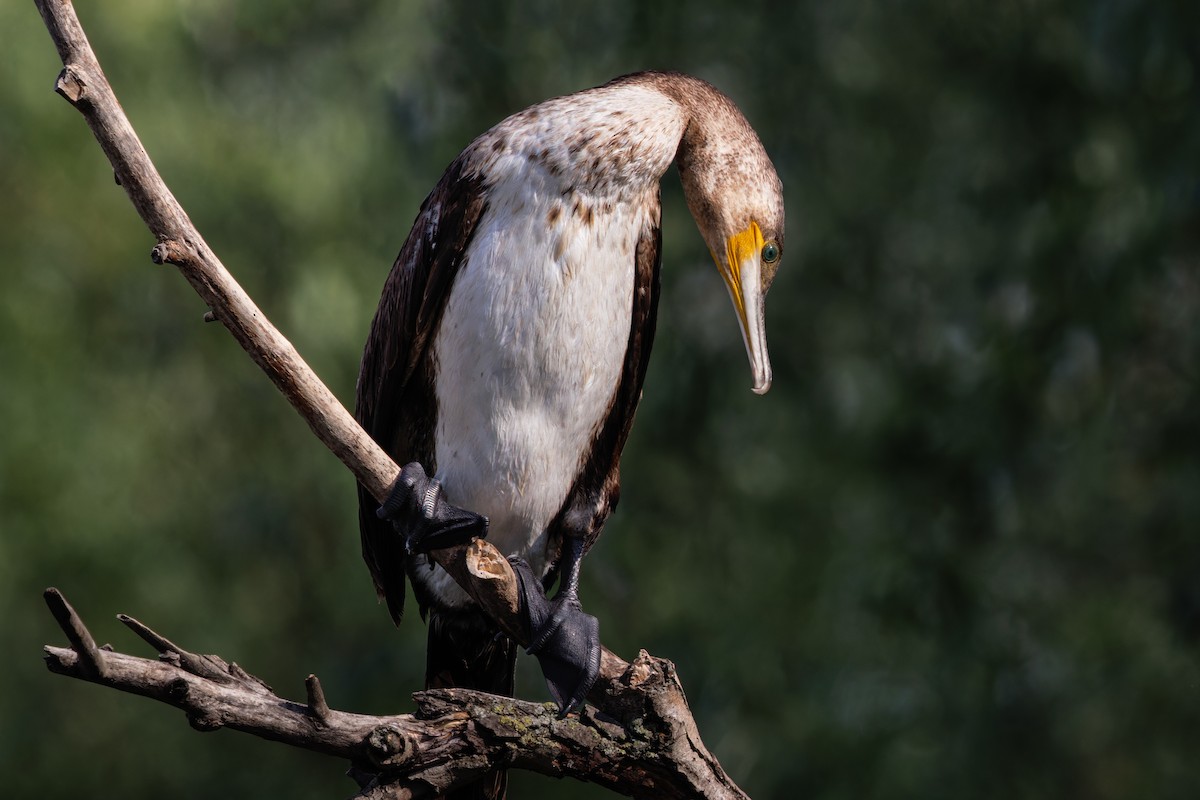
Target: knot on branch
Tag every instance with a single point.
(177, 690)
(72, 84)
(390, 747)
(204, 722)
(170, 251)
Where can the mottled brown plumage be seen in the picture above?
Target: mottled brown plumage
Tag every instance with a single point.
(513, 335)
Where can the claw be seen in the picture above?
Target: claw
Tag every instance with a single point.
(419, 512)
(565, 640)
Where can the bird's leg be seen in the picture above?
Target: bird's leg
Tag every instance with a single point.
(565, 640)
(419, 513)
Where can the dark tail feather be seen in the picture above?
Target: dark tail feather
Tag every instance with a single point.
(464, 650)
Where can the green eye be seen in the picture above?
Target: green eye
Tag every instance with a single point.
(770, 253)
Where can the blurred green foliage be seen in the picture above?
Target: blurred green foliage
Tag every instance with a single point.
(955, 552)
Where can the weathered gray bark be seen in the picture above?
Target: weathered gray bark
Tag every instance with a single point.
(455, 735)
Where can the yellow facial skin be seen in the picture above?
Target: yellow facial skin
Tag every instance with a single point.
(738, 249)
(741, 268)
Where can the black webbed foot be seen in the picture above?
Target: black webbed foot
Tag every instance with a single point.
(419, 513)
(565, 640)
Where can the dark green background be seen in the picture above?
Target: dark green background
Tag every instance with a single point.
(954, 553)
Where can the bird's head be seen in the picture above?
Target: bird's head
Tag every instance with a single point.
(736, 197)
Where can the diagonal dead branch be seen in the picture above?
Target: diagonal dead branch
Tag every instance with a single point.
(647, 689)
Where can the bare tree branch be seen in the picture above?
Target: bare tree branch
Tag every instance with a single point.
(455, 736)
(83, 84)
(626, 693)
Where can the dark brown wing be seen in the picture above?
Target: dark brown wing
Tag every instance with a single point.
(598, 486)
(395, 401)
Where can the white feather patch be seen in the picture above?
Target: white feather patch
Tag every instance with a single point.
(529, 353)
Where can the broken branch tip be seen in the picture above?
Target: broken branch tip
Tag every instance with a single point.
(70, 85)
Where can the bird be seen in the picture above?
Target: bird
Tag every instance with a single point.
(507, 355)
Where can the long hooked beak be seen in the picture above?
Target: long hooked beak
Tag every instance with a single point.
(742, 270)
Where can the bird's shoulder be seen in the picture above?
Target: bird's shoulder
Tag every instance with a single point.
(602, 140)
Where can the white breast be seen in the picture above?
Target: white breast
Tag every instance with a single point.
(529, 353)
